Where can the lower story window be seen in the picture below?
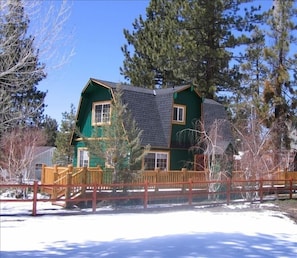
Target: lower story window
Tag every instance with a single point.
(83, 157)
(154, 160)
(38, 169)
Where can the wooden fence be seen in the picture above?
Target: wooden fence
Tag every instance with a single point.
(81, 176)
(186, 192)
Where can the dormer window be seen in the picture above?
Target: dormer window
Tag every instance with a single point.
(101, 113)
(179, 114)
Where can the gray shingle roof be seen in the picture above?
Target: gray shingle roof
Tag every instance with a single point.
(214, 111)
(151, 110)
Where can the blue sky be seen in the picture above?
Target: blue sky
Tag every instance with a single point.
(97, 39)
(98, 36)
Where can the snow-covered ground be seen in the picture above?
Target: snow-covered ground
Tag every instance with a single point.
(190, 233)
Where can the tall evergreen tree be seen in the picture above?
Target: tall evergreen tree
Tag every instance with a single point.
(20, 70)
(154, 40)
(186, 42)
(118, 143)
(247, 104)
(280, 87)
(50, 128)
(65, 151)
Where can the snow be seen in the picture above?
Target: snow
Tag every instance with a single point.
(232, 232)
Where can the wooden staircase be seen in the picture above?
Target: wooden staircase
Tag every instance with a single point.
(59, 181)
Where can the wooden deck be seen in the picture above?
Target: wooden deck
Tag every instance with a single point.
(56, 180)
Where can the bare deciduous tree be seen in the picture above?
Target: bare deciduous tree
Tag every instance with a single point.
(255, 143)
(18, 147)
(217, 155)
(48, 24)
(31, 35)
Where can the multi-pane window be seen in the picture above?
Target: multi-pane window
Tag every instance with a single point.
(153, 160)
(83, 157)
(179, 114)
(101, 112)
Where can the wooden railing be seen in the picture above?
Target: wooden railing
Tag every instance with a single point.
(278, 176)
(61, 176)
(173, 176)
(87, 176)
(186, 193)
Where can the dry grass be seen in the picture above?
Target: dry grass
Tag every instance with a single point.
(289, 207)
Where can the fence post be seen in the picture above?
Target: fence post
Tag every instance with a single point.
(84, 180)
(55, 178)
(291, 188)
(157, 178)
(43, 174)
(145, 201)
(184, 171)
(94, 198)
(35, 191)
(68, 186)
(43, 181)
(190, 191)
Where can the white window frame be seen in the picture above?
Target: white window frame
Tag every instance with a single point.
(86, 157)
(100, 103)
(180, 114)
(156, 153)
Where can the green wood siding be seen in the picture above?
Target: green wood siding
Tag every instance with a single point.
(179, 148)
(93, 93)
(180, 159)
(179, 154)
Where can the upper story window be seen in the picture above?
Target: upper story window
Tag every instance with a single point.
(101, 113)
(179, 114)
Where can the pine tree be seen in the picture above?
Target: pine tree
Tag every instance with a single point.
(280, 87)
(186, 42)
(64, 153)
(50, 128)
(154, 41)
(20, 70)
(118, 143)
(247, 106)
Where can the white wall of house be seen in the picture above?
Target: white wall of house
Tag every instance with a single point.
(43, 155)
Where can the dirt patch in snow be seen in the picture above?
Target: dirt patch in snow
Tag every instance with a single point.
(288, 207)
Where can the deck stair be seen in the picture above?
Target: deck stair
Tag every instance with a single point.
(63, 176)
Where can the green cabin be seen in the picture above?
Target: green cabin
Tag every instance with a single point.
(160, 114)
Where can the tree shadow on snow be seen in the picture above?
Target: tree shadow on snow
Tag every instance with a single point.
(190, 245)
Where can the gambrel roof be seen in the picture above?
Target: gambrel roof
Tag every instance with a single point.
(152, 110)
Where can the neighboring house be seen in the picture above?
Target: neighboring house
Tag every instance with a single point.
(29, 166)
(160, 114)
(42, 155)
